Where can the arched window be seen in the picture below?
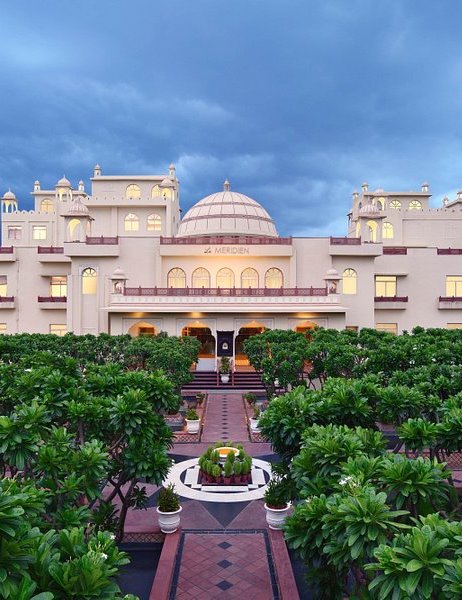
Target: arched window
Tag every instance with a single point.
(131, 223)
(274, 278)
(395, 204)
(380, 203)
(133, 191)
(358, 229)
(155, 192)
(350, 281)
(249, 278)
(73, 228)
(176, 278)
(166, 193)
(225, 278)
(154, 223)
(387, 231)
(89, 281)
(415, 205)
(201, 278)
(372, 231)
(46, 205)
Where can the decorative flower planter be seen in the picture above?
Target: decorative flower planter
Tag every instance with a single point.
(254, 425)
(193, 425)
(275, 517)
(223, 452)
(224, 378)
(169, 521)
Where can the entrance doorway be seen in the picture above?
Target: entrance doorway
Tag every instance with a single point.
(252, 328)
(306, 328)
(207, 341)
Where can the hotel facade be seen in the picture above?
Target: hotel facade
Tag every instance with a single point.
(120, 259)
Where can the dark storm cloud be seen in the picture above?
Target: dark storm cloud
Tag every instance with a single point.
(297, 102)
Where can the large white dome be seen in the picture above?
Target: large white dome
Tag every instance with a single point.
(227, 213)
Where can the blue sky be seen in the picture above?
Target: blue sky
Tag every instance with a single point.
(295, 101)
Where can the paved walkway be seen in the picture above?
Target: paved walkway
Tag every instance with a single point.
(224, 419)
(224, 565)
(224, 549)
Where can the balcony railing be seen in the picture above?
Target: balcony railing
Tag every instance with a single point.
(390, 298)
(240, 240)
(50, 250)
(6, 249)
(6, 298)
(345, 241)
(52, 298)
(394, 250)
(102, 240)
(450, 298)
(449, 251)
(260, 292)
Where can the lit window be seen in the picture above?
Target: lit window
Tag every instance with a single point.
(225, 278)
(249, 278)
(14, 232)
(380, 203)
(176, 278)
(39, 232)
(385, 285)
(58, 329)
(395, 204)
(415, 205)
(372, 225)
(131, 223)
(166, 193)
(155, 192)
(387, 231)
(46, 205)
(154, 223)
(352, 328)
(133, 192)
(3, 285)
(201, 278)
(454, 325)
(454, 285)
(89, 281)
(2, 328)
(358, 229)
(388, 327)
(350, 281)
(274, 278)
(58, 286)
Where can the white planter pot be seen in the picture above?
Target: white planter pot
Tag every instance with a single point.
(224, 378)
(276, 383)
(254, 425)
(193, 425)
(275, 517)
(169, 521)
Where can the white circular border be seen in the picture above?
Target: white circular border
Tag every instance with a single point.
(187, 492)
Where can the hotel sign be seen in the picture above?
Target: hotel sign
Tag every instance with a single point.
(234, 250)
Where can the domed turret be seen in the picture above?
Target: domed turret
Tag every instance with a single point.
(9, 195)
(64, 182)
(77, 208)
(227, 213)
(369, 210)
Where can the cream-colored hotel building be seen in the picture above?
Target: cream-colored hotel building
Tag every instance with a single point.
(121, 259)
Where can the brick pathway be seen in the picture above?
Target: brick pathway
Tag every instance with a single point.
(224, 419)
(225, 566)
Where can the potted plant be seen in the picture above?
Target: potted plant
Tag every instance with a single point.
(237, 472)
(276, 505)
(254, 421)
(225, 367)
(250, 398)
(216, 472)
(168, 509)
(246, 468)
(193, 422)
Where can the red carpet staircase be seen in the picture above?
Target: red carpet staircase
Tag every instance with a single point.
(239, 380)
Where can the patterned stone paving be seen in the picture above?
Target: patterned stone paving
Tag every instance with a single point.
(224, 418)
(224, 565)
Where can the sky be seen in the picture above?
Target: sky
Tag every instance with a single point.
(297, 102)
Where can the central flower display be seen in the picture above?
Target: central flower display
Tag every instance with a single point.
(225, 464)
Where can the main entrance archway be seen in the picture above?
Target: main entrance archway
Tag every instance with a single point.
(246, 331)
(205, 337)
(306, 328)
